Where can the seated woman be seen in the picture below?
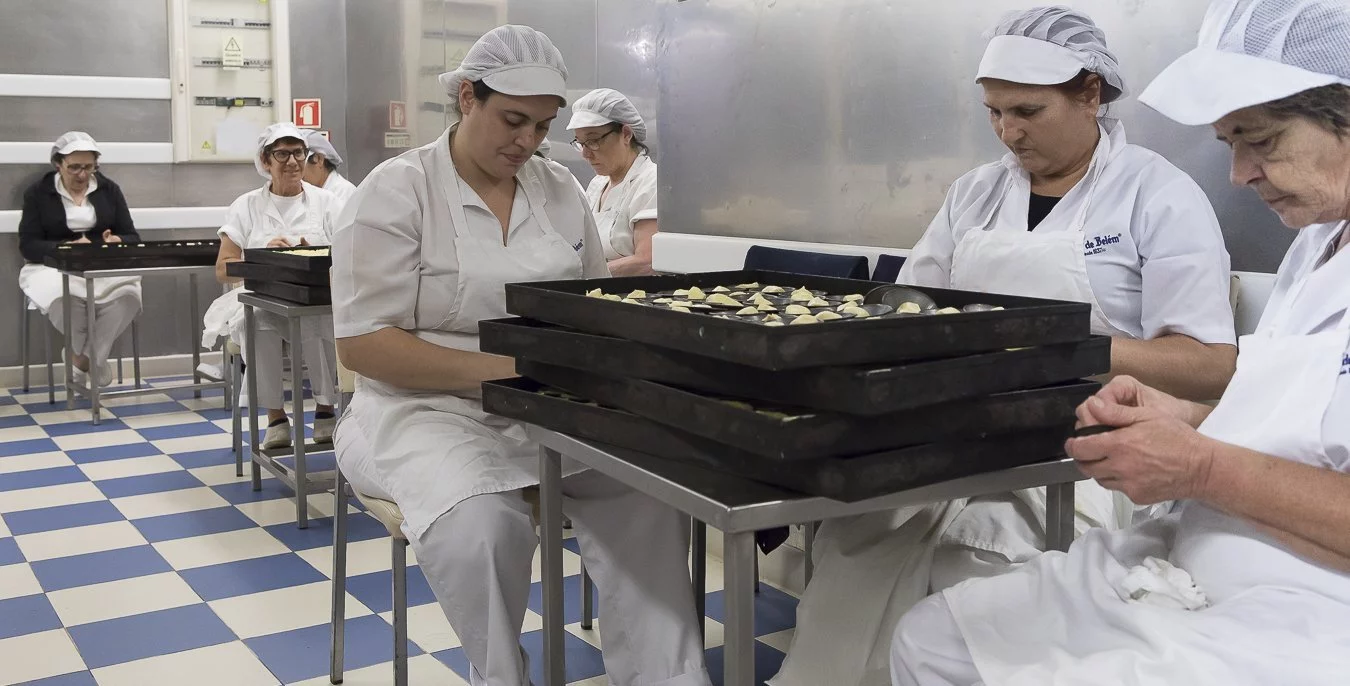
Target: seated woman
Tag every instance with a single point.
(1248, 580)
(284, 213)
(76, 204)
(1072, 212)
(611, 135)
(321, 169)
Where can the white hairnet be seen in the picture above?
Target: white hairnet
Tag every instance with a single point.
(1081, 45)
(271, 135)
(514, 60)
(316, 142)
(604, 106)
(1252, 52)
(74, 141)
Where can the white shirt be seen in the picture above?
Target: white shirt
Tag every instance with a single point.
(341, 188)
(81, 216)
(629, 202)
(258, 216)
(1155, 255)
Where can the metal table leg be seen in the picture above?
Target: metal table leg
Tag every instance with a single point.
(338, 621)
(95, 364)
(699, 547)
(550, 541)
(250, 371)
(809, 544)
(194, 324)
(739, 657)
(1059, 515)
(298, 428)
(66, 345)
(136, 351)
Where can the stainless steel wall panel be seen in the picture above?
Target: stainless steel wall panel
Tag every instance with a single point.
(43, 119)
(85, 37)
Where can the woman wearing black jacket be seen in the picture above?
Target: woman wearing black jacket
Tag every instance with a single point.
(76, 204)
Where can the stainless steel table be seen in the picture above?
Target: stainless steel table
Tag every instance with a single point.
(298, 478)
(92, 391)
(740, 507)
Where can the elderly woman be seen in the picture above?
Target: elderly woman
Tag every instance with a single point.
(285, 212)
(1073, 212)
(1248, 581)
(76, 204)
(611, 135)
(321, 169)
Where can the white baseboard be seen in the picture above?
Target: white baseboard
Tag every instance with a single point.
(147, 218)
(40, 152)
(151, 367)
(65, 86)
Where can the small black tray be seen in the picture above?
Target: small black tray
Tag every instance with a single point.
(293, 292)
(846, 479)
(145, 255)
(808, 434)
(286, 257)
(269, 272)
(863, 390)
(1024, 322)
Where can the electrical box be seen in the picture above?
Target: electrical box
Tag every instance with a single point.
(230, 76)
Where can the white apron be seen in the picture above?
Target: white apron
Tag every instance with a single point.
(42, 285)
(1274, 618)
(437, 449)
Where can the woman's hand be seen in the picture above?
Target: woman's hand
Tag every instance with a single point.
(1152, 457)
(1130, 392)
(82, 239)
(110, 237)
(279, 243)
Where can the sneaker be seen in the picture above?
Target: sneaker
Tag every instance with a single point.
(79, 376)
(323, 429)
(106, 373)
(278, 436)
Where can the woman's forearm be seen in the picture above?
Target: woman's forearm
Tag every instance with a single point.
(1176, 364)
(400, 359)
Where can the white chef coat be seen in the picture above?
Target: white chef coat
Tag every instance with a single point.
(420, 251)
(341, 188)
(631, 201)
(1274, 617)
(1155, 255)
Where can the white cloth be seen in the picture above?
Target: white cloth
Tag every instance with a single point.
(341, 188)
(1274, 618)
(111, 319)
(1155, 256)
(318, 354)
(42, 285)
(421, 252)
(631, 201)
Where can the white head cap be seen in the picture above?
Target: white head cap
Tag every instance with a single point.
(316, 142)
(1046, 46)
(513, 60)
(1253, 52)
(271, 135)
(607, 106)
(74, 141)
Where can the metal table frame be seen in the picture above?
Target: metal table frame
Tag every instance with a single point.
(756, 506)
(92, 391)
(298, 479)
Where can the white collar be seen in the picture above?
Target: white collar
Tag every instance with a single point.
(61, 187)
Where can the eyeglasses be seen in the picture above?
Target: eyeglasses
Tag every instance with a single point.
(81, 168)
(299, 154)
(592, 144)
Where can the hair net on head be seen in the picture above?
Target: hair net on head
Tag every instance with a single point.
(271, 135)
(74, 141)
(1050, 45)
(605, 106)
(514, 60)
(1252, 52)
(316, 142)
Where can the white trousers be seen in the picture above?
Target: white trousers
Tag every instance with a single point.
(320, 358)
(111, 319)
(928, 649)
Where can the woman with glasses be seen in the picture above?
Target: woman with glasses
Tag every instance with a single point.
(610, 135)
(284, 213)
(76, 204)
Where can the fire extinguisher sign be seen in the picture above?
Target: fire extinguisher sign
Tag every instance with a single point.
(306, 114)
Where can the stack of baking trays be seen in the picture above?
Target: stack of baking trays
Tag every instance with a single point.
(88, 257)
(298, 275)
(833, 387)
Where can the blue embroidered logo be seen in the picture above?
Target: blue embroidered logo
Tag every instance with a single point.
(1345, 364)
(579, 245)
(1098, 244)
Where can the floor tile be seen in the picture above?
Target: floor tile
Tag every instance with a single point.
(188, 444)
(283, 609)
(363, 557)
(360, 527)
(62, 517)
(232, 546)
(193, 428)
(200, 522)
(774, 610)
(303, 654)
(767, 663)
(112, 452)
(94, 568)
(218, 475)
(124, 598)
(779, 641)
(149, 421)
(80, 540)
(423, 669)
(375, 589)
(128, 467)
(8, 411)
(136, 405)
(32, 461)
(27, 447)
(571, 599)
(246, 577)
(276, 510)
(25, 615)
(83, 426)
(28, 432)
(571, 565)
(4, 529)
(583, 661)
(48, 496)
(115, 641)
(208, 458)
(13, 421)
(199, 404)
(71, 679)
(428, 627)
(58, 414)
(272, 489)
(9, 552)
(37, 656)
(225, 664)
(150, 483)
(38, 478)
(169, 502)
(96, 440)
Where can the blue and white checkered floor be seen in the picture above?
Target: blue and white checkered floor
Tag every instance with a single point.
(130, 554)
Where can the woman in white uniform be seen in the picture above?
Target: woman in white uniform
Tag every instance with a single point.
(431, 238)
(321, 169)
(1073, 212)
(283, 213)
(77, 204)
(1248, 580)
(611, 136)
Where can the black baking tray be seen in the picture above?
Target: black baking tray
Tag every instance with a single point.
(861, 390)
(287, 257)
(270, 272)
(144, 255)
(1024, 322)
(846, 479)
(293, 292)
(808, 434)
